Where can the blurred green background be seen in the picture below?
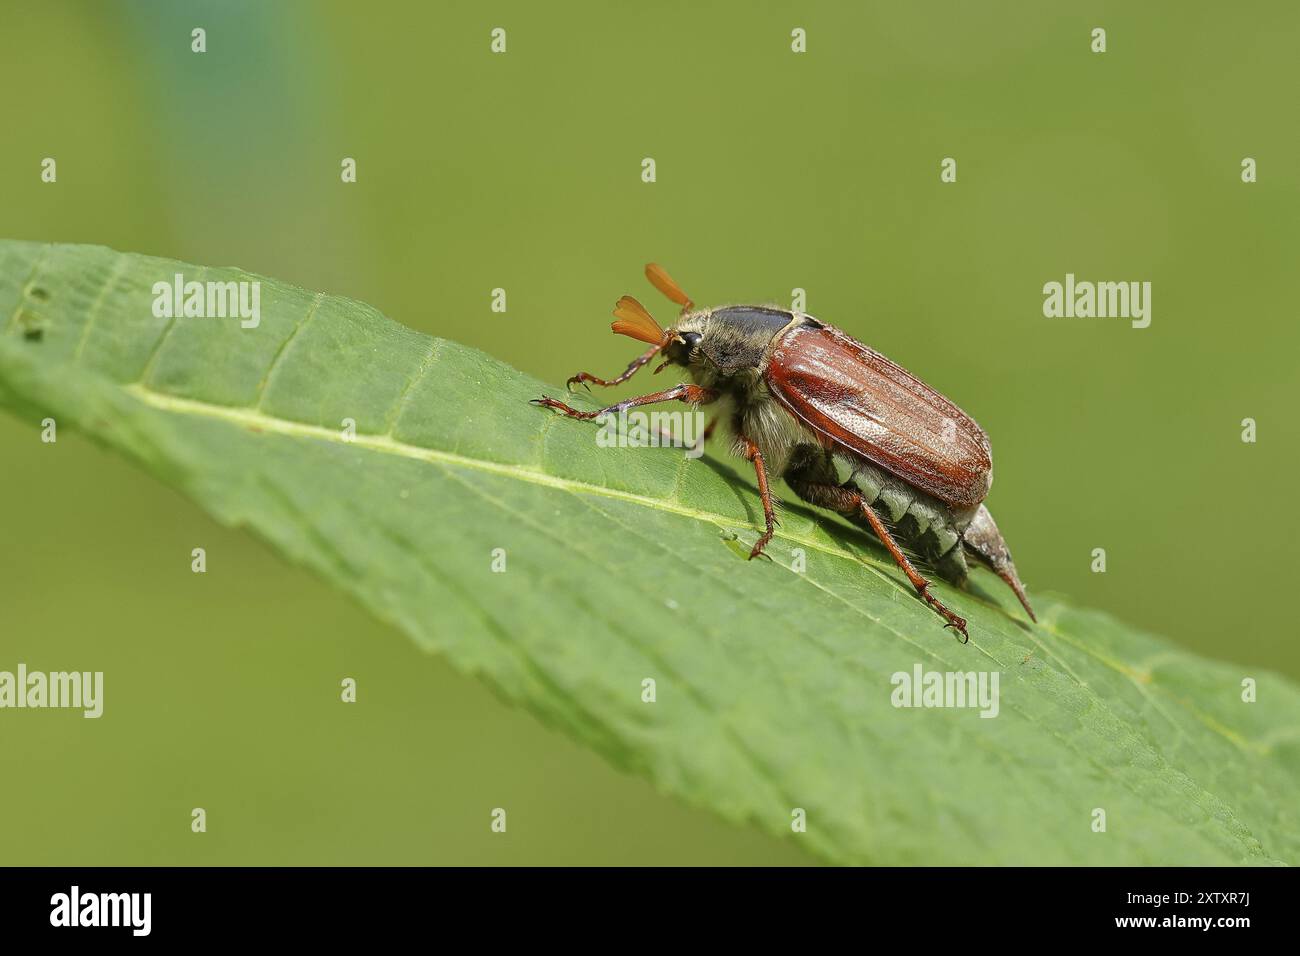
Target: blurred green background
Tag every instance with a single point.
(775, 170)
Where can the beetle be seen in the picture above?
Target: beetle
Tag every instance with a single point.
(848, 430)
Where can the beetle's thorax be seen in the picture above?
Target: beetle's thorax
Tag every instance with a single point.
(730, 357)
(735, 343)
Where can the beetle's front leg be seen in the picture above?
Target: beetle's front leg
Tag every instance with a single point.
(750, 452)
(637, 363)
(691, 394)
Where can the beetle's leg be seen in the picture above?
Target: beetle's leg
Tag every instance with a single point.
(685, 392)
(918, 581)
(666, 434)
(632, 369)
(751, 454)
(706, 435)
(846, 501)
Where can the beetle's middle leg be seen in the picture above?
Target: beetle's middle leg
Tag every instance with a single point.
(849, 502)
(750, 452)
(666, 434)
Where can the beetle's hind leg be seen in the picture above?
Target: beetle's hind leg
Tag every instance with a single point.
(850, 502)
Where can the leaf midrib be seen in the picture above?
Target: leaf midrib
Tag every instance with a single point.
(385, 444)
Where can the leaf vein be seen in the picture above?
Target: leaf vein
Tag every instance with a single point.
(260, 394)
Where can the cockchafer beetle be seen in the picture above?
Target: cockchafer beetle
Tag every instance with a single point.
(846, 428)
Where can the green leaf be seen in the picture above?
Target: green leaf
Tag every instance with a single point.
(773, 687)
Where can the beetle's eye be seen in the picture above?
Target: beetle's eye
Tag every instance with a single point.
(679, 352)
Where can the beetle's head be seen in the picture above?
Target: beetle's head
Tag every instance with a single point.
(680, 345)
(676, 344)
(684, 341)
(714, 343)
(709, 342)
